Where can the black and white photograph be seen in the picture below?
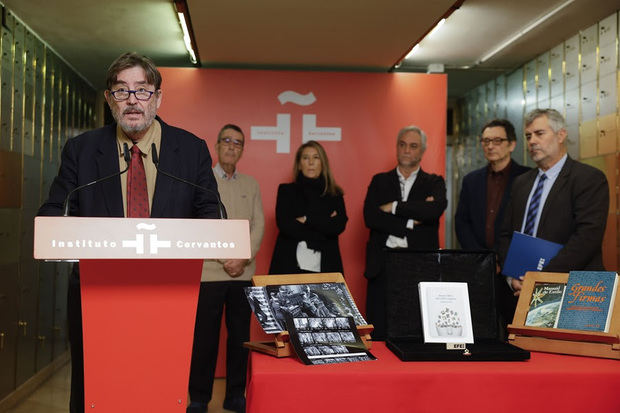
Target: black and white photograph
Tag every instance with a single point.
(320, 337)
(333, 337)
(316, 344)
(271, 304)
(347, 337)
(306, 338)
(301, 323)
(262, 310)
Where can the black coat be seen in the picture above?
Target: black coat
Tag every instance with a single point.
(385, 188)
(320, 231)
(574, 215)
(94, 154)
(470, 218)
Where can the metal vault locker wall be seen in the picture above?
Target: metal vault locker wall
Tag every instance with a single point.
(579, 78)
(43, 102)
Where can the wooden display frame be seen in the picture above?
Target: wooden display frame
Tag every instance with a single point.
(556, 340)
(280, 346)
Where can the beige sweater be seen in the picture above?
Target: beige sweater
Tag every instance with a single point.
(241, 197)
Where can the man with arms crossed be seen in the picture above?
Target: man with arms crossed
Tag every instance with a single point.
(134, 94)
(562, 201)
(402, 210)
(222, 285)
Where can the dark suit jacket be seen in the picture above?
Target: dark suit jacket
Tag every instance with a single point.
(385, 188)
(470, 218)
(574, 214)
(94, 154)
(320, 231)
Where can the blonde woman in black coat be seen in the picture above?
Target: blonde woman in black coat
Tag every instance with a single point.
(310, 215)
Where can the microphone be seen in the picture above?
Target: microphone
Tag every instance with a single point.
(220, 205)
(127, 158)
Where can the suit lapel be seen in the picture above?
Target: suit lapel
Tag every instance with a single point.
(481, 199)
(107, 163)
(394, 186)
(169, 161)
(419, 181)
(521, 193)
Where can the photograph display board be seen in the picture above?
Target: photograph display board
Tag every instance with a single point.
(327, 340)
(272, 303)
(317, 293)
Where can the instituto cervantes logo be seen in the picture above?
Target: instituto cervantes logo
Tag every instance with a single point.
(281, 132)
(146, 241)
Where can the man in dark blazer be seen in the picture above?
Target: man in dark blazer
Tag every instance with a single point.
(573, 201)
(402, 210)
(134, 95)
(485, 191)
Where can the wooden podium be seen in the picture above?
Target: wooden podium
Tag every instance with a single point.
(140, 280)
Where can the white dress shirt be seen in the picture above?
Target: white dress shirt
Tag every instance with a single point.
(405, 187)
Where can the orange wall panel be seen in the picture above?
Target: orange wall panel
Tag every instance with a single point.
(368, 108)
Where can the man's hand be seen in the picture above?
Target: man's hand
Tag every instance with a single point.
(301, 219)
(235, 268)
(430, 198)
(386, 207)
(516, 285)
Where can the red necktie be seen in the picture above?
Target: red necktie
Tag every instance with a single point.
(137, 195)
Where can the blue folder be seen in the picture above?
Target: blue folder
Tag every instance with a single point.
(527, 253)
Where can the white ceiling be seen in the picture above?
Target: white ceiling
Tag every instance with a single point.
(308, 34)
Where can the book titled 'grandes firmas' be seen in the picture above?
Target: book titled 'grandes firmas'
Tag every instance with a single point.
(588, 300)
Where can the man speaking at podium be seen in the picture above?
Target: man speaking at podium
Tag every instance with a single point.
(132, 143)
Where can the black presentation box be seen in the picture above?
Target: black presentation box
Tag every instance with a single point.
(405, 269)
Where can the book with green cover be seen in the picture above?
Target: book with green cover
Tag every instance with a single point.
(588, 300)
(545, 305)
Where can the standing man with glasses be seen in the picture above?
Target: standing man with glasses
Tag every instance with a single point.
(484, 196)
(223, 283)
(562, 201)
(133, 94)
(485, 191)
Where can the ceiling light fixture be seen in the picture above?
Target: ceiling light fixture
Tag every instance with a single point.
(413, 51)
(186, 39)
(188, 33)
(434, 27)
(437, 26)
(524, 31)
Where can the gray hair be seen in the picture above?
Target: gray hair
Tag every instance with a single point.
(413, 128)
(556, 120)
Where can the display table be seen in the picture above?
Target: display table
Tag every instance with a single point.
(547, 382)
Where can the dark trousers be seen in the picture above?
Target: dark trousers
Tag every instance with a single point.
(74, 315)
(376, 306)
(214, 296)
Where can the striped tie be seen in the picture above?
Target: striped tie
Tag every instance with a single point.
(532, 211)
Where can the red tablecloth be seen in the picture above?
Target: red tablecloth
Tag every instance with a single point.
(545, 383)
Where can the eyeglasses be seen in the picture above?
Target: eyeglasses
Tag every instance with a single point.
(230, 141)
(496, 141)
(122, 94)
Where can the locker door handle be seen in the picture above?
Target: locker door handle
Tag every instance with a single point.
(23, 324)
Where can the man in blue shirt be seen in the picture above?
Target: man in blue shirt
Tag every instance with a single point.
(562, 201)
